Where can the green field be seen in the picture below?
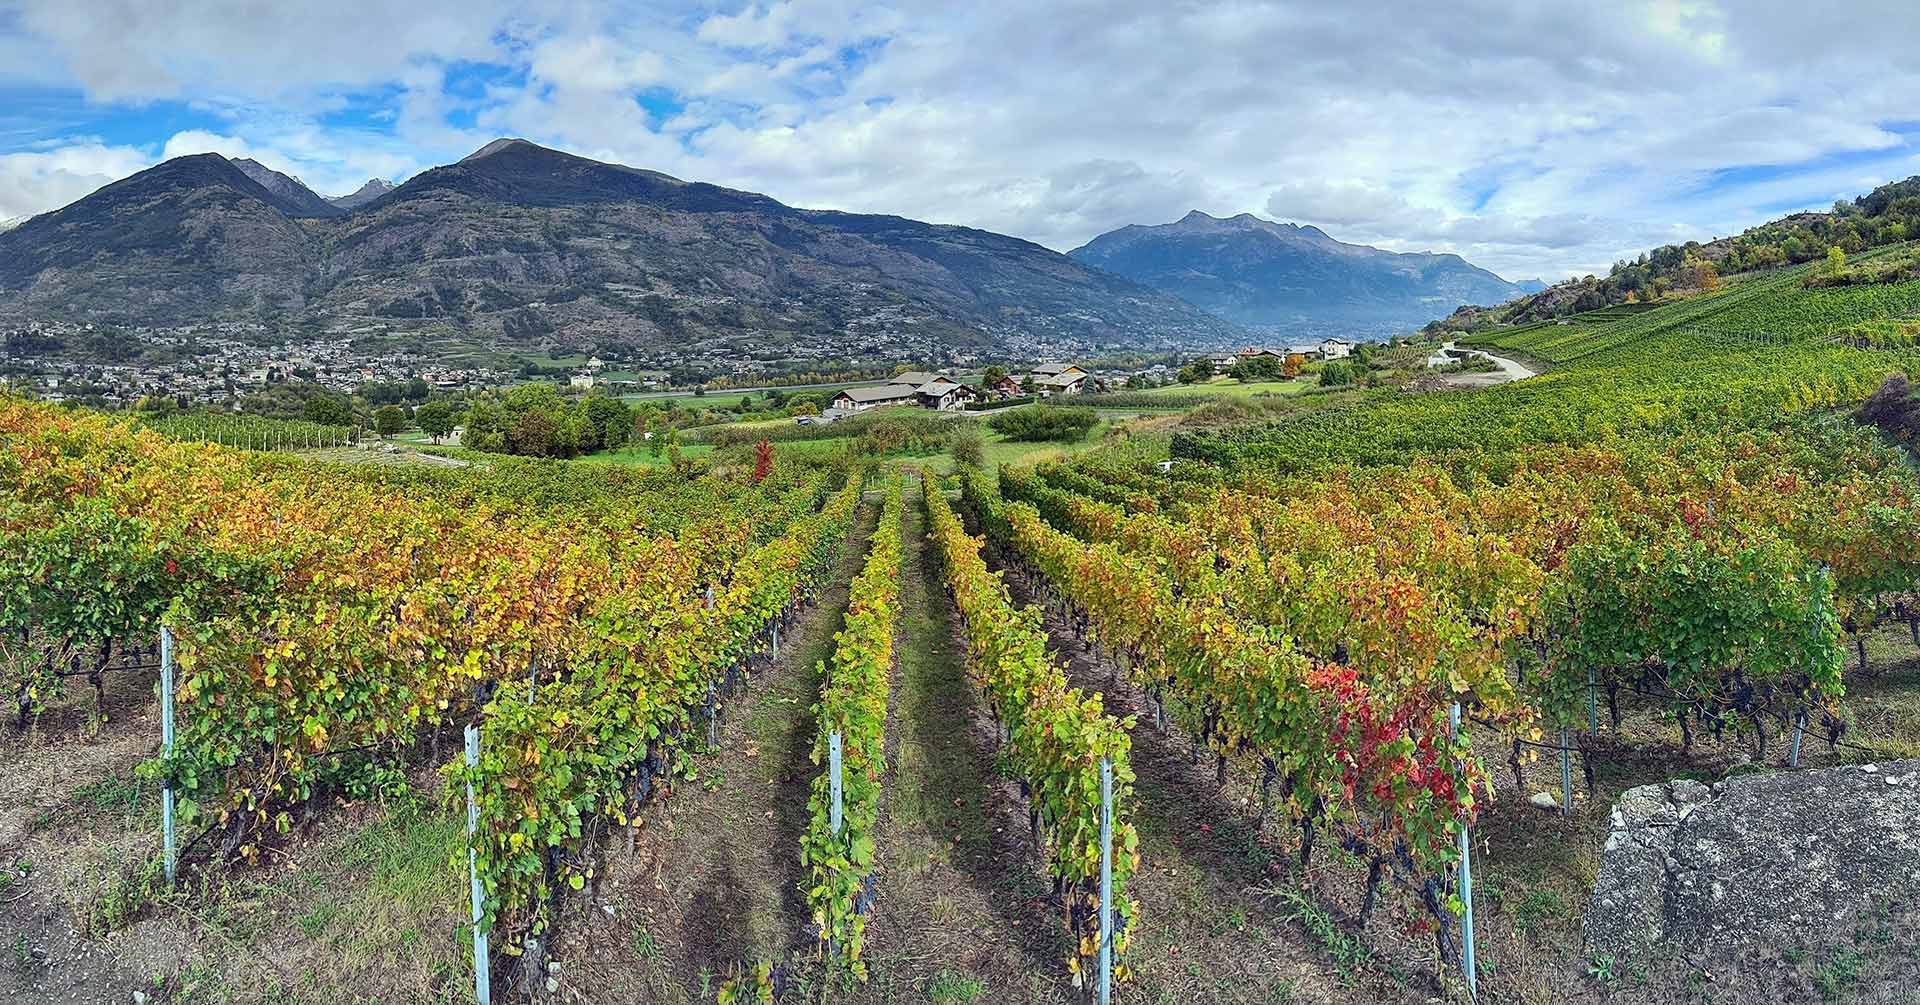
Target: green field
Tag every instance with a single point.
(641, 456)
(1229, 387)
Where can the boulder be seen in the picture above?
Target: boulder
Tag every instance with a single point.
(1728, 877)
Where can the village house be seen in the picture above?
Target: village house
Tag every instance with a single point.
(859, 399)
(582, 381)
(1058, 378)
(933, 390)
(1336, 348)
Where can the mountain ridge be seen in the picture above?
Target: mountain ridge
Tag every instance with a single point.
(1292, 277)
(291, 191)
(526, 242)
(373, 189)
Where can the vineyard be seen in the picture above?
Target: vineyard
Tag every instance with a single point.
(1216, 713)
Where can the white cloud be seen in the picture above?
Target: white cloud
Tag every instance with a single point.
(1531, 138)
(35, 181)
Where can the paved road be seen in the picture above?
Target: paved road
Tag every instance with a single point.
(1513, 370)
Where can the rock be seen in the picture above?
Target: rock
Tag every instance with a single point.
(1758, 863)
(553, 985)
(1544, 801)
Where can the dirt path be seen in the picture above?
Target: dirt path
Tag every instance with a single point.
(1227, 916)
(963, 911)
(713, 882)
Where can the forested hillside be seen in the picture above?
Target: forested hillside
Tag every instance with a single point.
(1888, 215)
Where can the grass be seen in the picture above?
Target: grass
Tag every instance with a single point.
(380, 910)
(1229, 387)
(642, 457)
(933, 786)
(949, 988)
(1001, 452)
(722, 396)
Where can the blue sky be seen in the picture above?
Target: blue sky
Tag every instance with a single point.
(1533, 138)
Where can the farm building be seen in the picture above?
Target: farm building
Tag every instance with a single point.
(859, 399)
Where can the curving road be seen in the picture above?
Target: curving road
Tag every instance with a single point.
(1513, 370)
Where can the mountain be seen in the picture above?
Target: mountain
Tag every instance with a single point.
(296, 199)
(193, 237)
(521, 241)
(11, 222)
(1289, 278)
(373, 189)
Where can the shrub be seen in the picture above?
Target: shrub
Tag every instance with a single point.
(1336, 373)
(1045, 422)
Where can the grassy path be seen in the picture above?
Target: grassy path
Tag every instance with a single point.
(962, 912)
(714, 878)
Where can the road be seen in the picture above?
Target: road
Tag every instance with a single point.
(1513, 370)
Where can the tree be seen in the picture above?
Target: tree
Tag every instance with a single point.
(1257, 368)
(992, 375)
(746, 403)
(435, 418)
(612, 420)
(388, 420)
(967, 445)
(1836, 260)
(327, 409)
(1336, 373)
(1027, 385)
(1045, 422)
(534, 434)
(1197, 372)
(1291, 367)
(417, 389)
(486, 429)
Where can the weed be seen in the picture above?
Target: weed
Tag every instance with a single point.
(1601, 969)
(110, 793)
(1838, 975)
(1349, 952)
(201, 984)
(127, 890)
(1283, 992)
(316, 920)
(645, 944)
(1539, 909)
(949, 988)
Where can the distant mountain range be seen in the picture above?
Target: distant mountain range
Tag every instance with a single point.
(373, 189)
(1292, 279)
(527, 242)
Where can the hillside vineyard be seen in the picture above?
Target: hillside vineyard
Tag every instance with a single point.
(1369, 609)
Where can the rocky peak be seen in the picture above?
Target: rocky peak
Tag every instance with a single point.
(373, 189)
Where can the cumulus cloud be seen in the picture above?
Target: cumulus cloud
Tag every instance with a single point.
(34, 181)
(1535, 139)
